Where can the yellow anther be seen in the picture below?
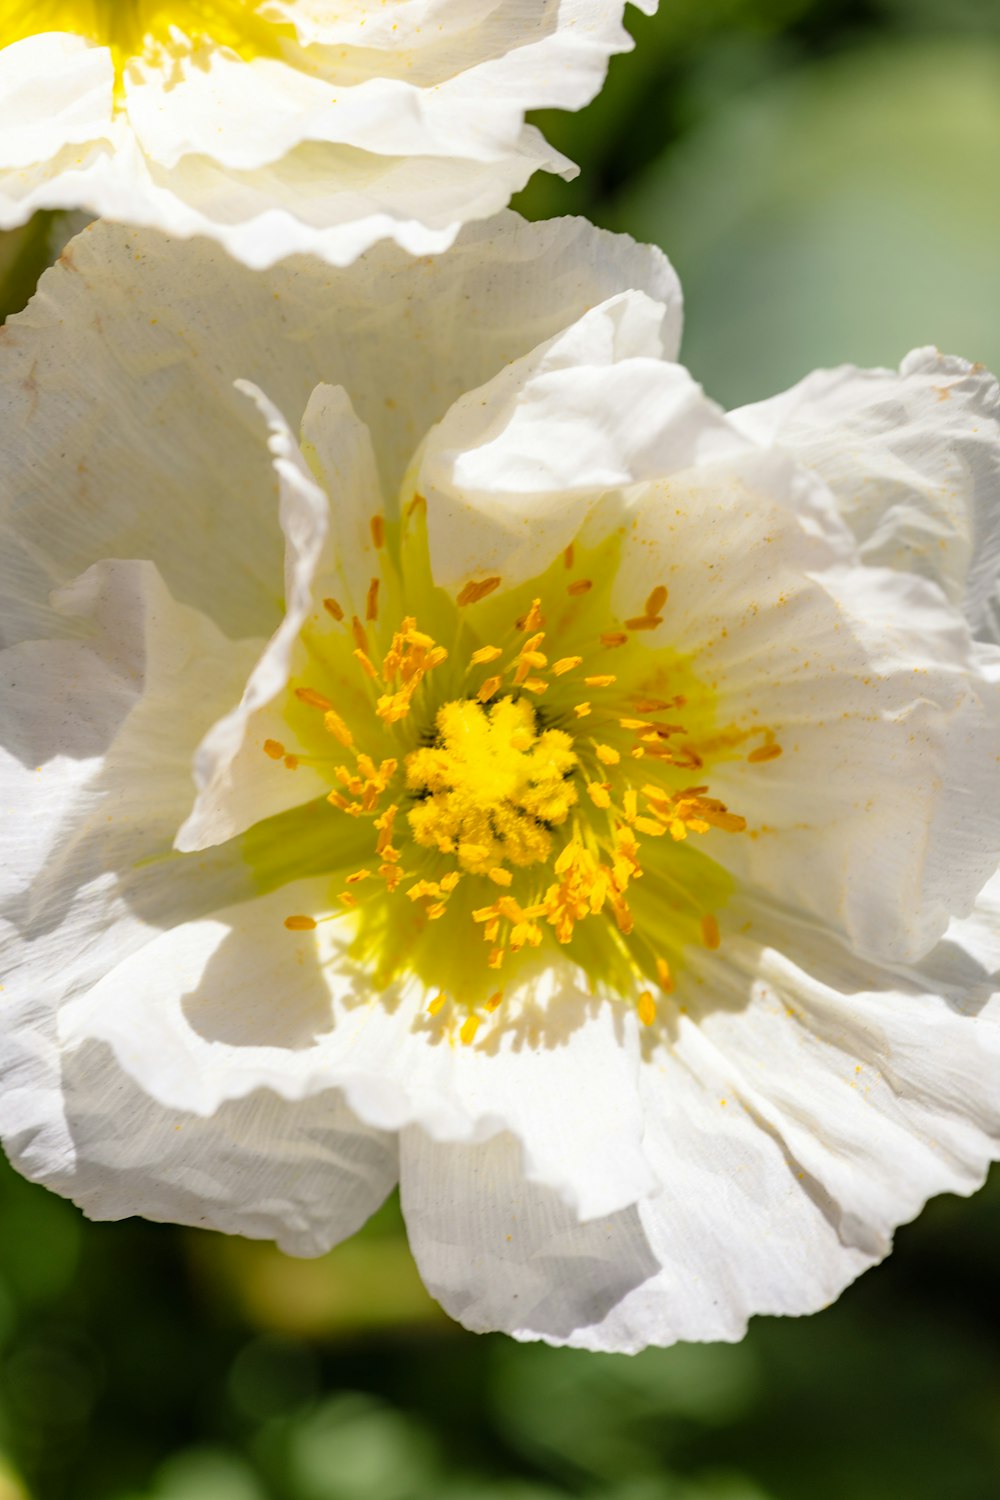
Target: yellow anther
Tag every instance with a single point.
(333, 608)
(495, 1001)
(495, 960)
(581, 710)
(566, 664)
(312, 698)
(489, 689)
(359, 634)
(468, 1030)
(764, 752)
(358, 876)
(604, 680)
(644, 622)
(606, 754)
(485, 655)
(664, 977)
(710, 931)
(537, 685)
(631, 804)
(649, 826)
(371, 601)
(274, 748)
(435, 1006)
(646, 1008)
(347, 898)
(291, 762)
(377, 524)
(534, 618)
(599, 793)
(580, 586)
(568, 555)
(476, 589)
(656, 601)
(612, 638)
(500, 876)
(300, 924)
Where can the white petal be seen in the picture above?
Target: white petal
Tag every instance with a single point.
(805, 1105)
(512, 470)
(498, 1253)
(914, 459)
(306, 1174)
(55, 91)
(98, 736)
(236, 783)
(882, 814)
(406, 132)
(125, 364)
(216, 1008)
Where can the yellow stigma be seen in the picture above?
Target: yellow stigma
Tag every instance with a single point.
(492, 785)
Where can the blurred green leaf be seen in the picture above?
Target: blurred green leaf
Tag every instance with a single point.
(847, 213)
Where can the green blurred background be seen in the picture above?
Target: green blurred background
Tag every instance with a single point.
(825, 175)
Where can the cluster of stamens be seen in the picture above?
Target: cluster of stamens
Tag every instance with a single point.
(500, 789)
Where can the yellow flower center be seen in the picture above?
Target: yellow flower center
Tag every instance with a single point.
(136, 28)
(524, 792)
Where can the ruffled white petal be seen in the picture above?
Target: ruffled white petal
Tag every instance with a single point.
(882, 814)
(234, 1002)
(98, 735)
(805, 1105)
(364, 128)
(914, 460)
(126, 361)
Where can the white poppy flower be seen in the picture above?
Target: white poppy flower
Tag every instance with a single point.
(285, 126)
(595, 824)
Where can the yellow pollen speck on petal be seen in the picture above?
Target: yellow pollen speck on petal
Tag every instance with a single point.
(579, 586)
(300, 924)
(485, 655)
(656, 601)
(710, 931)
(647, 1008)
(764, 752)
(435, 1006)
(476, 589)
(371, 600)
(378, 530)
(333, 608)
(274, 748)
(312, 698)
(470, 1026)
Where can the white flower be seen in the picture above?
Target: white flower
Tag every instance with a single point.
(597, 821)
(284, 126)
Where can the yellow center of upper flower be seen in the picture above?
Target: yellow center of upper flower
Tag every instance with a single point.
(528, 788)
(136, 28)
